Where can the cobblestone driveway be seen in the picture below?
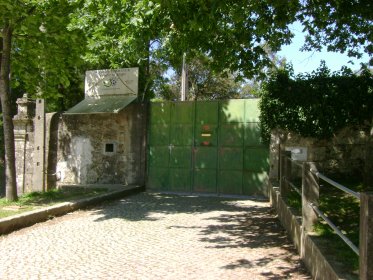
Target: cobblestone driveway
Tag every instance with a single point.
(155, 236)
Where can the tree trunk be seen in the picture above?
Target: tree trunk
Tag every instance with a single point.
(10, 167)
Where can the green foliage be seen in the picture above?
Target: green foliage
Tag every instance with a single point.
(316, 104)
(341, 26)
(233, 33)
(46, 58)
(203, 82)
(121, 34)
(49, 59)
(154, 34)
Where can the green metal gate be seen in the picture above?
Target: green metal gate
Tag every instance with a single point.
(206, 146)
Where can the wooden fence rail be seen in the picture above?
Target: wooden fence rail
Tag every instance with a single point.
(310, 201)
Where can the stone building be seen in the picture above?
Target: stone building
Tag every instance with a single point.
(99, 141)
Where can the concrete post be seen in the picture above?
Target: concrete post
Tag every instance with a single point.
(38, 182)
(366, 236)
(285, 172)
(310, 195)
(184, 80)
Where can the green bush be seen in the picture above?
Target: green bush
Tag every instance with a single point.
(316, 104)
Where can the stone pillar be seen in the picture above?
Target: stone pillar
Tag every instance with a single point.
(23, 137)
(366, 236)
(285, 173)
(310, 195)
(274, 155)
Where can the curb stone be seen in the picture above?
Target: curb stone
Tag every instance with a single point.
(30, 218)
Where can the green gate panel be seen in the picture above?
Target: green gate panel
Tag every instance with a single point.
(181, 157)
(159, 135)
(182, 112)
(207, 112)
(159, 156)
(160, 112)
(180, 180)
(230, 182)
(230, 158)
(205, 157)
(206, 135)
(254, 182)
(252, 134)
(181, 134)
(207, 146)
(252, 111)
(232, 111)
(231, 135)
(204, 180)
(158, 178)
(256, 159)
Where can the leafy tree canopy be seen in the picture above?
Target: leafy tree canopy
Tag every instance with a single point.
(45, 57)
(234, 34)
(340, 25)
(144, 33)
(49, 59)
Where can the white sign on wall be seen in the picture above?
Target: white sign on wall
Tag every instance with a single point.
(112, 82)
(298, 153)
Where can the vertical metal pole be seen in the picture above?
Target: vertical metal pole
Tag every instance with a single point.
(366, 236)
(184, 80)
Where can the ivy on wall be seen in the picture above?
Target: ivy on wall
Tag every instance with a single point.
(316, 104)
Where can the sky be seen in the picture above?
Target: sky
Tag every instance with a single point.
(309, 61)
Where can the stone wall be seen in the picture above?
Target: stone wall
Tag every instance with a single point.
(80, 149)
(102, 148)
(345, 153)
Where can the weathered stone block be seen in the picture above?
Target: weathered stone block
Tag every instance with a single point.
(316, 153)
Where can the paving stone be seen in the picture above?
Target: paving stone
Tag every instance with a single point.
(155, 236)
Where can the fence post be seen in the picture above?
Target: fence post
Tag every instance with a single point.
(310, 195)
(366, 236)
(285, 172)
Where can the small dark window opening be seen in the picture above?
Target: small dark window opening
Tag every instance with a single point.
(109, 148)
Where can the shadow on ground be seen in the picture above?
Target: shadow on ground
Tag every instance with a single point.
(235, 225)
(143, 206)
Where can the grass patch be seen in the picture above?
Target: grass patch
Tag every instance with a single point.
(35, 200)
